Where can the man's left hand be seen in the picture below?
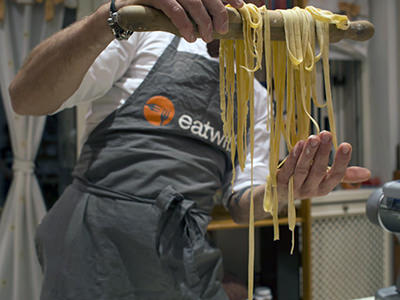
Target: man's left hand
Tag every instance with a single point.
(308, 164)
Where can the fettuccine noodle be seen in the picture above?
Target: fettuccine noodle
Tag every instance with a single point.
(291, 65)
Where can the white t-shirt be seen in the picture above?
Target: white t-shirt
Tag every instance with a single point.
(121, 68)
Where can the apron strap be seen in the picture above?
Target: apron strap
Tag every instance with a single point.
(103, 192)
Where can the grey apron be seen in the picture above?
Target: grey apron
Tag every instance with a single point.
(133, 223)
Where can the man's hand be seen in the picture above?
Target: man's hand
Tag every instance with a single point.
(308, 163)
(209, 15)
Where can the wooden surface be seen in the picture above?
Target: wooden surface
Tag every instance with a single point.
(142, 18)
(222, 220)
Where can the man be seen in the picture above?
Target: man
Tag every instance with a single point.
(132, 225)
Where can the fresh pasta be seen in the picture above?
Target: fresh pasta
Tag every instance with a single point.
(290, 66)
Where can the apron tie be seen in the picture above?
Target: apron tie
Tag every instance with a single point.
(181, 234)
(24, 166)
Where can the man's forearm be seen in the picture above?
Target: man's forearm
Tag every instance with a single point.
(239, 205)
(56, 67)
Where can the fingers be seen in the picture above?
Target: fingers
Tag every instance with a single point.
(289, 166)
(308, 164)
(219, 15)
(283, 174)
(338, 170)
(356, 174)
(306, 160)
(309, 167)
(320, 162)
(208, 15)
(257, 2)
(175, 11)
(198, 11)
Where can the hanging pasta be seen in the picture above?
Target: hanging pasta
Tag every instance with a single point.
(291, 65)
(242, 57)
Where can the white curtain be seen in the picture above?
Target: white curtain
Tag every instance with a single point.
(20, 275)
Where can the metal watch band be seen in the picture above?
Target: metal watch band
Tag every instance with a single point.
(118, 31)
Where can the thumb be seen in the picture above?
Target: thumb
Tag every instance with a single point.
(356, 174)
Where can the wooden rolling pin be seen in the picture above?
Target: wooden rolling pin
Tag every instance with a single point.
(143, 18)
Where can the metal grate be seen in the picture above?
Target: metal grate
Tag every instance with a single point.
(347, 258)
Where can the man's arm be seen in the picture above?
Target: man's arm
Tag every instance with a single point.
(239, 205)
(308, 164)
(56, 67)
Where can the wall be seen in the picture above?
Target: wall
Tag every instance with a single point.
(382, 92)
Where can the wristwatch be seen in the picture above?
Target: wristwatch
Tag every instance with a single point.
(118, 31)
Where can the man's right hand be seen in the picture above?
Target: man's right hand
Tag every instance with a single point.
(209, 15)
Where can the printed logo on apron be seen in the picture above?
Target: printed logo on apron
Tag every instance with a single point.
(159, 110)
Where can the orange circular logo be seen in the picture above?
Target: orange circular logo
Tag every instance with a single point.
(159, 110)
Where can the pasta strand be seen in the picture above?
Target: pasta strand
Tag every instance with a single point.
(290, 68)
